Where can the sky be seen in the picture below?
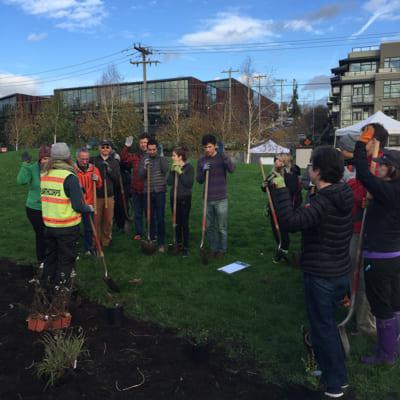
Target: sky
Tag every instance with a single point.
(49, 44)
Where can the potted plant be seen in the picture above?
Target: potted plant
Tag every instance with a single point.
(60, 318)
(38, 319)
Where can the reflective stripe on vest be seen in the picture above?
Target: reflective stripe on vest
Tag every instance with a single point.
(57, 211)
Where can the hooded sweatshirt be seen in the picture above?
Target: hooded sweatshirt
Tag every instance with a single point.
(326, 226)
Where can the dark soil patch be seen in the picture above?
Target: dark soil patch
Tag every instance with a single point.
(170, 368)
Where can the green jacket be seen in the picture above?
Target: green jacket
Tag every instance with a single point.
(29, 174)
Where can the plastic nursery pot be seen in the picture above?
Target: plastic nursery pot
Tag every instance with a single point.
(37, 323)
(61, 322)
(115, 315)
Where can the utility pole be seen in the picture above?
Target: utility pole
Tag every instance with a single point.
(259, 77)
(313, 117)
(230, 71)
(280, 105)
(144, 51)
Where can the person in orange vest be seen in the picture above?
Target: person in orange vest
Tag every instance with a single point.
(62, 206)
(89, 178)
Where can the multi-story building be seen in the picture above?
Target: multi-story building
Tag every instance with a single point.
(189, 94)
(366, 81)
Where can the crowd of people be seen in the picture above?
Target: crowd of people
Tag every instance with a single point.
(352, 199)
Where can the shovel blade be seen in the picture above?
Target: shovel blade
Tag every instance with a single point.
(111, 284)
(173, 249)
(148, 247)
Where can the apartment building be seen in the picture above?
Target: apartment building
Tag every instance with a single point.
(366, 81)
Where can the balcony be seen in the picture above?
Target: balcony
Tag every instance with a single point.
(363, 99)
(359, 75)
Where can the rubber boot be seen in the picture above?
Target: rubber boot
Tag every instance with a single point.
(397, 317)
(387, 343)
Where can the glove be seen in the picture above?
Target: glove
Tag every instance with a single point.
(129, 141)
(90, 207)
(367, 134)
(177, 168)
(106, 167)
(26, 157)
(206, 166)
(95, 178)
(264, 185)
(277, 180)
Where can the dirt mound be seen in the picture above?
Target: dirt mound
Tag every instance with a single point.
(119, 356)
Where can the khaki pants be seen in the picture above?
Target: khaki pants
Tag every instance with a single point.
(364, 319)
(104, 220)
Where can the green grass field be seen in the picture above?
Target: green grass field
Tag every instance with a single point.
(255, 314)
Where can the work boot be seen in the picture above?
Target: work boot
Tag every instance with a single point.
(396, 315)
(387, 343)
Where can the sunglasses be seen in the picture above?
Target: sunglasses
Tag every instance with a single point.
(105, 147)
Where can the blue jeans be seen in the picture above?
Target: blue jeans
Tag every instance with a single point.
(157, 216)
(87, 231)
(139, 209)
(322, 295)
(217, 225)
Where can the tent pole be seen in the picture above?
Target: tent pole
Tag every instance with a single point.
(334, 141)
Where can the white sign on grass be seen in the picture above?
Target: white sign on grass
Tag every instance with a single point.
(234, 267)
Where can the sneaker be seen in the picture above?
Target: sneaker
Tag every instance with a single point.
(137, 237)
(185, 252)
(345, 386)
(161, 249)
(73, 274)
(88, 253)
(334, 394)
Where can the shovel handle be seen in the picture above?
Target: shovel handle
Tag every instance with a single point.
(95, 197)
(204, 219)
(148, 202)
(176, 180)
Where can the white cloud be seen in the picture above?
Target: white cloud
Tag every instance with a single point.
(388, 10)
(228, 28)
(11, 83)
(298, 25)
(318, 82)
(71, 14)
(36, 37)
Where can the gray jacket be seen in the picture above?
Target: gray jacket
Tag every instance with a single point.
(158, 173)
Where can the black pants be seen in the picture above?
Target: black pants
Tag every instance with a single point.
(62, 249)
(36, 220)
(285, 239)
(119, 212)
(183, 206)
(382, 283)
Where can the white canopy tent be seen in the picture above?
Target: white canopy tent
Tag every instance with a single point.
(391, 125)
(269, 147)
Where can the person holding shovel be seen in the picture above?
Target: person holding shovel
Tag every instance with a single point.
(137, 183)
(110, 175)
(381, 242)
(29, 174)
(282, 165)
(62, 206)
(326, 226)
(184, 172)
(218, 166)
(158, 167)
(90, 180)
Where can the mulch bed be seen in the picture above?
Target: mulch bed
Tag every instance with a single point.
(118, 354)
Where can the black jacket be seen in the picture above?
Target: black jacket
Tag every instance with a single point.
(326, 226)
(185, 183)
(382, 223)
(112, 176)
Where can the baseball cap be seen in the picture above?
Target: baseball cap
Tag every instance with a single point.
(389, 157)
(105, 142)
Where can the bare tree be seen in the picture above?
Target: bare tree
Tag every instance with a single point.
(19, 127)
(109, 98)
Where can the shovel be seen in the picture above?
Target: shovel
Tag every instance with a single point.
(271, 206)
(148, 245)
(173, 249)
(203, 253)
(124, 202)
(108, 281)
(105, 188)
(357, 273)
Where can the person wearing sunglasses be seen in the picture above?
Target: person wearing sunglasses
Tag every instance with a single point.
(110, 174)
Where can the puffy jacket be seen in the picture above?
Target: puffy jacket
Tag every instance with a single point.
(382, 224)
(86, 182)
(158, 171)
(133, 160)
(326, 225)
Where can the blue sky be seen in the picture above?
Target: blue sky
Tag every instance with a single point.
(43, 35)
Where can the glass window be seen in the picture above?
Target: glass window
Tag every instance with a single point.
(355, 67)
(357, 114)
(392, 62)
(391, 89)
(346, 91)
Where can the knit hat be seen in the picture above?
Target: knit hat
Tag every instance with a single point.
(44, 151)
(347, 143)
(60, 151)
